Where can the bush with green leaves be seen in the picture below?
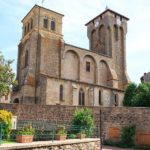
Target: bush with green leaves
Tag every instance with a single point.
(128, 136)
(82, 120)
(137, 96)
(129, 94)
(6, 122)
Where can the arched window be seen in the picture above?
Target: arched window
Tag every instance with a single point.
(102, 40)
(45, 22)
(100, 98)
(31, 23)
(53, 25)
(28, 27)
(116, 99)
(93, 41)
(26, 59)
(81, 97)
(115, 32)
(109, 50)
(61, 93)
(16, 100)
(25, 30)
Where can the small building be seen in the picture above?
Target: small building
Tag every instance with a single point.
(145, 77)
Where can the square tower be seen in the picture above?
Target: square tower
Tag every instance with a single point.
(38, 52)
(107, 37)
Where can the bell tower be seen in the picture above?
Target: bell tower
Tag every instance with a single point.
(107, 37)
(38, 50)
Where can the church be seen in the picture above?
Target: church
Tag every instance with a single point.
(52, 72)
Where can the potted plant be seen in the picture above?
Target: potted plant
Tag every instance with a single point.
(25, 135)
(81, 135)
(61, 133)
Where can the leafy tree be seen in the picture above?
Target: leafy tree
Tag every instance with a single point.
(6, 76)
(129, 94)
(142, 96)
(137, 96)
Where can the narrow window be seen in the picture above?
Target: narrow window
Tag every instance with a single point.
(28, 27)
(16, 101)
(26, 59)
(81, 97)
(61, 93)
(53, 25)
(115, 32)
(116, 100)
(25, 30)
(45, 22)
(88, 66)
(31, 23)
(100, 98)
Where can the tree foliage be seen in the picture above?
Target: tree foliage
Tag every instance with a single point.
(6, 122)
(6, 76)
(137, 96)
(129, 94)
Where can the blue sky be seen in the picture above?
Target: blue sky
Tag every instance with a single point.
(77, 13)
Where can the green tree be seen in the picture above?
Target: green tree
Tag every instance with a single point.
(6, 76)
(142, 96)
(129, 94)
(137, 96)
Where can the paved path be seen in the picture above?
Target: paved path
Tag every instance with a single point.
(114, 148)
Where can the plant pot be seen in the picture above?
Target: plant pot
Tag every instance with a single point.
(81, 135)
(24, 138)
(60, 137)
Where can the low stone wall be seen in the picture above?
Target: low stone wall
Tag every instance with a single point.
(112, 118)
(76, 144)
(51, 113)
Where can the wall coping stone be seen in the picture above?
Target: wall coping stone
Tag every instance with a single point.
(15, 146)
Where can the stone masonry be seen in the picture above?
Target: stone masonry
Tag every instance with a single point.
(76, 144)
(52, 72)
(110, 119)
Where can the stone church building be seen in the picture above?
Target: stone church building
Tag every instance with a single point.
(50, 71)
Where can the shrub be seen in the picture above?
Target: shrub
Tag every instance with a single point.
(129, 94)
(128, 136)
(6, 122)
(83, 120)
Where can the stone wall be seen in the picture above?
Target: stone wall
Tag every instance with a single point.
(112, 118)
(84, 144)
(71, 93)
